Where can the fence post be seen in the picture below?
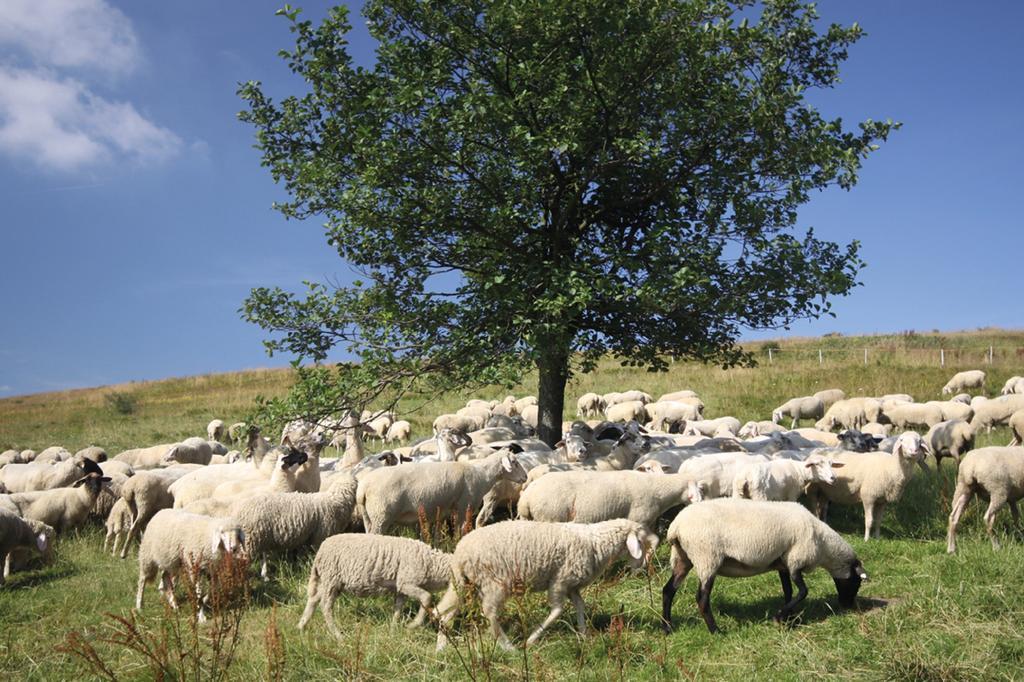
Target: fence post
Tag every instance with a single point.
(865, 356)
(942, 357)
(820, 360)
(990, 355)
(770, 361)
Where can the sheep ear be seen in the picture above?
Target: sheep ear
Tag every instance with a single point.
(560, 444)
(80, 481)
(634, 547)
(41, 542)
(837, 465)
(506, 463)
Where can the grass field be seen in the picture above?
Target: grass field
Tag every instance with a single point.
(923, 615)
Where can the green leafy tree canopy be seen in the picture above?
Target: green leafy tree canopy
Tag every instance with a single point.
(535, 184)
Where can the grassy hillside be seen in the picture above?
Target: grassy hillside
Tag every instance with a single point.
(924, 615)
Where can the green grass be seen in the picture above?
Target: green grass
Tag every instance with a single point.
(924, 615)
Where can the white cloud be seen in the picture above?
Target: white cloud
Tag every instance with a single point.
(88, 34)
(58, 123)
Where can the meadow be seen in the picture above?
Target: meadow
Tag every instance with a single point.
(923, 615)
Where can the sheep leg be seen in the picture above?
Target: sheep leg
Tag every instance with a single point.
(313, 598)
(787, 585)
(7, 566)
(493, 600)
(446, 610)
(490, 500)
(681, 566)
(167, 587)
(578, 605)
(399, 603)
(877, 527)
(995, 504)
(556, 598)
(1016, 513)
(704, 603)
(961, 498)
(327, 606)
(423, 597)
(801, 593)
(869, 519)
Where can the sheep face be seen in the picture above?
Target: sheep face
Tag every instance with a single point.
(228, 538)
(513, 469)
(575, 448)
(847, 587)
(639, 544)
(855, 441)
(822, 469)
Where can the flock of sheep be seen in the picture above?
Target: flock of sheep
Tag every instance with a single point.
(594, 498)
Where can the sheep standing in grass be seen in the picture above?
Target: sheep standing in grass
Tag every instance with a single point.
(723, 426)
(397, 495)
(913, 415)
(560, 558)
(995, 474)
(1016, 424)
(176, 540)
(808, 407)
(950, 439)
(118, 523)
(146, 493)
(1014, 384)
(783, 480)
(217, 430)
(873, 479)
(830, 396)
(398, 432)
(192, 450)
(996, 412)
(961, 381)
(62, 508)
(589, 405)
(33, 476)
(594, 496)
(18, 534)
(368, 565)
(631, 410)
(740, 538)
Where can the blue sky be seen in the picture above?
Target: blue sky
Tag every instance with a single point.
(136, 216)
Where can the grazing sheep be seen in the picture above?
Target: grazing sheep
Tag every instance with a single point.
(52, 455)
(873, 479)
(146, 493)
(176, 540)
(630, 410)
(995, 474)
(192, 450)
(590, 405)
(369, 565)
(783, 480)
(723, 426)
(740, 538)
(593, 496)
(994, 412)
(830, 396)
(808, 407)
(961, 381)
(953, 409)
(237, 432)
(93, 452)
(1014, 384)
(217, 430)
(23, 478)
(145, 458)
(913, 415)
(118, 523)
(278, 522)
(440, 490)
(964, 398)
(560, 558)
(16, 534)
(398, 432)
(851, 413)
(950, 439)
(1017, 427)
(459, 422)
(663, 415)
(61, 508)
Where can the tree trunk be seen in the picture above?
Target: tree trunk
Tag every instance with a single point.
(553, 370)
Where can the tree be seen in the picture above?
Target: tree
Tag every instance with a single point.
(536, 184)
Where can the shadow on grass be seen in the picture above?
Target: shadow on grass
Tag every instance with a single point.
(35, 576)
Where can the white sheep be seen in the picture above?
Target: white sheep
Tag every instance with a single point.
(996, 412)
(830, 396)
(177, 540)
(192, 450)
(17, 534)
(873, 479)
(851, 413)
(23, 478)
(964, 398)
(961, 381)
(559, 558)
(216, 430)
(783, 480)
(146, 493)
(665, 416)
(93, 452)
(52, 455)
(369, 565)
(995, 473)
(237, 432)
(807, 407)
(145, 458)
(10, 457)
(398, 432)
(1014, 384)
(530, 415)
(459, 422)
(914, 415)
(739, 538)
(723, 426)
(590, 405)
(677, 395)
(441, 490)
(950, 439)
(753, 429)
(1016, 424)
(593, 496)
(953, 409)
(61, 508)
(277, 522)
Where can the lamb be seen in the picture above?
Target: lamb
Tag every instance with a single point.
(830, 396)
(783, 480)
(950, 439)
(589, 405)
(808, 407)
(176, 540)
(398, 432)
(459, 422)
(851, 413)
(216, 430)
(873, 479)
(397, 495)
(147, 493)
(993, 412)
(961, 381)
(237, 432)
(16, 534)
(192, 450)
(754, 429)
(663, 415)
(118, 523)
(992, 473)
(716, 472)
(275, 522)
(367, 565)
(145, 458)
(561, 558)
(1017, 427)
(914, 415)
(739, 538)
(23, 478)
(61, 508)
(593, 496)
(1014, 384)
